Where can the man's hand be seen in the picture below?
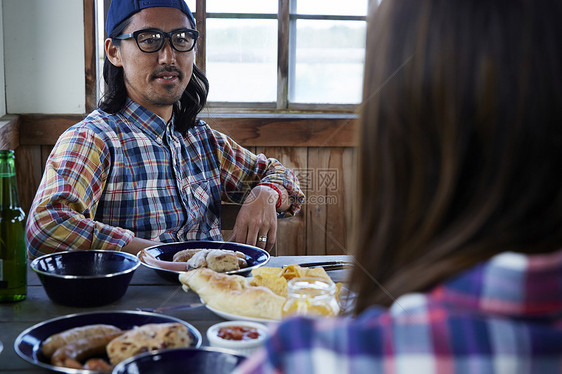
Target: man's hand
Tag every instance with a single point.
(256, 223)
(137, 244)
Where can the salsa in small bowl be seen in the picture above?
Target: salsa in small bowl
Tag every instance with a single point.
(242, 336)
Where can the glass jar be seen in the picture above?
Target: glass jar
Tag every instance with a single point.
(311, 296)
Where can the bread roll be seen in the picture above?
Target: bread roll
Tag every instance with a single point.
(222, 261)
(232, 294)
(149, 337)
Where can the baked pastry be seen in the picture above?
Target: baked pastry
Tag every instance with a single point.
(149, 337)
(232, 294)
(198, 260)
(222, 261)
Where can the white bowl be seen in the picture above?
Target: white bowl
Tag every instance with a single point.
(245, 347)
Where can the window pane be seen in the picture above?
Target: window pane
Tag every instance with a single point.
(329, 62)
(242, 60)
(191, 5)
(333, 7)
(242, 6)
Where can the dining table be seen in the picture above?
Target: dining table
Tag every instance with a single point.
(148, 289)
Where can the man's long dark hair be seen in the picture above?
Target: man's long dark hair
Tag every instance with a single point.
(186, 109)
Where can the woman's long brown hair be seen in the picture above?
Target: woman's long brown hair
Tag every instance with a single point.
(460, 141)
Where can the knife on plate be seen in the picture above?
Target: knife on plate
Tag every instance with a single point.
(328, 265)
(171, 308)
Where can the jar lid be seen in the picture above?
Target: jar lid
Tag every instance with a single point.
(311, 287)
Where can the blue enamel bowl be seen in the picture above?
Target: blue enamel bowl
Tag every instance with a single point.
(203, 360)
(85, 278)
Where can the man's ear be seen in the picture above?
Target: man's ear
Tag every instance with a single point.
(113, 52)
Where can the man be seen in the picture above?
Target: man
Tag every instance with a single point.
(142, 169)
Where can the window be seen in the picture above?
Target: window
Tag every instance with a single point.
(282, 54)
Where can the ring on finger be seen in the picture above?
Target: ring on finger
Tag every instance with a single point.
(262, 238)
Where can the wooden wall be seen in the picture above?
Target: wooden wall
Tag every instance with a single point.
(319, 148)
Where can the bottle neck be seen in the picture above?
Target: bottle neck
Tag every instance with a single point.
(8, 183)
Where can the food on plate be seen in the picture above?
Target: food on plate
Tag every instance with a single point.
(72, 354)
(63, 338)
(233, 294)
(261, 297)
(98, 364)
(148, 338)
(276, 279)
(242, 336)
(87, 347)
(238, 333)
(271, 278)
(185, 255)
(296, 271)
(220, 260)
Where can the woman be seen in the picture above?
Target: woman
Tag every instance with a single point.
(459, 201)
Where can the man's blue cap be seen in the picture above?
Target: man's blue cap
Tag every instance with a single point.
(120, 10)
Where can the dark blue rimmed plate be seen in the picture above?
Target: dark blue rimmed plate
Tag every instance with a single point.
(204, 360)
(255, 257)
(28, 343)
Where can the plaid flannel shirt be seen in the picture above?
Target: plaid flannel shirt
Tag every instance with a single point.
(112, 177)
(503, 316)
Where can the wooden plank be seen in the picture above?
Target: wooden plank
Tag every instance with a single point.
(45, 129)
(291, 232)
(316, 215)
(329, 179)
(332, 183)
(283, 54)
(287, 130)
(90, 63)
(201, 20)
(45, 152)
(9, 132)
(248, 130)
(349, 171)
(28, 166)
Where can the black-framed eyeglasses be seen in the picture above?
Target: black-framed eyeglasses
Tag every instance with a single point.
(152, 40)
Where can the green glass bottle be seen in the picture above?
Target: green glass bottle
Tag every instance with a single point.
(13, 256)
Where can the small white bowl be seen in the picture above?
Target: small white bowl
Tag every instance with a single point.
(245, 347)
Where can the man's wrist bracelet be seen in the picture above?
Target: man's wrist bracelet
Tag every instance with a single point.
(273, 186)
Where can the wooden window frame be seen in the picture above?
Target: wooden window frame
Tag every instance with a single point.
(286, 52)
(332, 126)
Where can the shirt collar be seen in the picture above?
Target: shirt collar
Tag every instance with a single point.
(144, 119)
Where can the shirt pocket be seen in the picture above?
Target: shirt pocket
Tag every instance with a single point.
(199, 198)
